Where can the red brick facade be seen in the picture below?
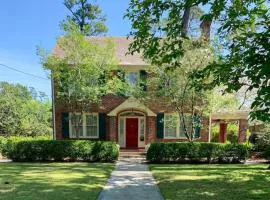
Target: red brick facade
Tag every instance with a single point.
(109, 103)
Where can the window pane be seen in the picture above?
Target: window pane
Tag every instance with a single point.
(76, 119)
(132, 77)
(91, 125)
(91, 131)
(171, 122)
(141, 127)
(122, 132)
(77, 131)
(77, 125)
(188, 124)
(121, 127)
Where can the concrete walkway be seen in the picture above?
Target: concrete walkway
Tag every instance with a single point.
(131, 180)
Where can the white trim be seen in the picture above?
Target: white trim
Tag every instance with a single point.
(84, 126)
(129, 104)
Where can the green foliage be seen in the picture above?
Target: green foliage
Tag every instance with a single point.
(82, 75)
(232, 133)
(262, 142)
(159, 29)
(3, 141)
(21, 113)
(194, 152)
(85, 17)
(31, 149)
(266, 152)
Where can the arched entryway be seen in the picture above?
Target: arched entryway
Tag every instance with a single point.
(131, 129)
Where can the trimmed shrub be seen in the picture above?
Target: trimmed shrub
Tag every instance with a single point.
(3, 142)
(60, 150)
(196, 152)
(262, 142)
(266, 152)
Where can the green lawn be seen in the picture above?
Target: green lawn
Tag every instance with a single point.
(55, 181)
(213, 181)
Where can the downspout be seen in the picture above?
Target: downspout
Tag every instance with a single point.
(53, 107)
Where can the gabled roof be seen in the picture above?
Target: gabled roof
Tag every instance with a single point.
(121, 46)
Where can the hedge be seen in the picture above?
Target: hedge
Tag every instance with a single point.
(196, 152)
(3, 141)
(266, 152)
(60, 150)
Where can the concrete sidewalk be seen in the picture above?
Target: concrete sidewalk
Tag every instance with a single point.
(131, 180)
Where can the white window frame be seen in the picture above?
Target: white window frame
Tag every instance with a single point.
(177, 127)
(84, 126)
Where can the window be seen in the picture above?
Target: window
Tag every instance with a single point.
(122, 132)
(173, 128)
(84, 126)
(91, 125)
(132, 78)
(76, 125)
(142, 129)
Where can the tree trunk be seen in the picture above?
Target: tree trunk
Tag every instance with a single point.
(185, 22)
(206, 29)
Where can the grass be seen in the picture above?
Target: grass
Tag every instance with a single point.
(21, 181)
(234, 182)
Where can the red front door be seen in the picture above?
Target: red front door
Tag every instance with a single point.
(132, 133)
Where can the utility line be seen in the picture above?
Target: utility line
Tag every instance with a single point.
(11, 68)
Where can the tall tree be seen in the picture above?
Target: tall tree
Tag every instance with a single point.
(243, 27)
(85, 17)
(175, 85)
(82, 74)
(21, 113)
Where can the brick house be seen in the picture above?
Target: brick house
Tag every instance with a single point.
(125, 120)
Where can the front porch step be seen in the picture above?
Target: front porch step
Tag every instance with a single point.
(132, 153)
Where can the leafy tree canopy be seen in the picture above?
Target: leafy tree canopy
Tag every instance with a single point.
(84, 72)
(23, 111)
(85, 17)
(160, 27)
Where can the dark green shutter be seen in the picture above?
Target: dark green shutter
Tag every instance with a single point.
(102, 125)
(197, 128)
(143, 79)
(160, 125)
(65, 125)
(197, 132)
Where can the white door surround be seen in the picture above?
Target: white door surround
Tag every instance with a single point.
(122, 127)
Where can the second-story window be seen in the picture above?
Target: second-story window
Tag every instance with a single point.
(132, 77)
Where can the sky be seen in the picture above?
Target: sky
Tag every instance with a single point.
(26, 24)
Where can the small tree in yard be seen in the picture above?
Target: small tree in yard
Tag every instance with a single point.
(82, 74)
(175, 56)
(176, 86)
